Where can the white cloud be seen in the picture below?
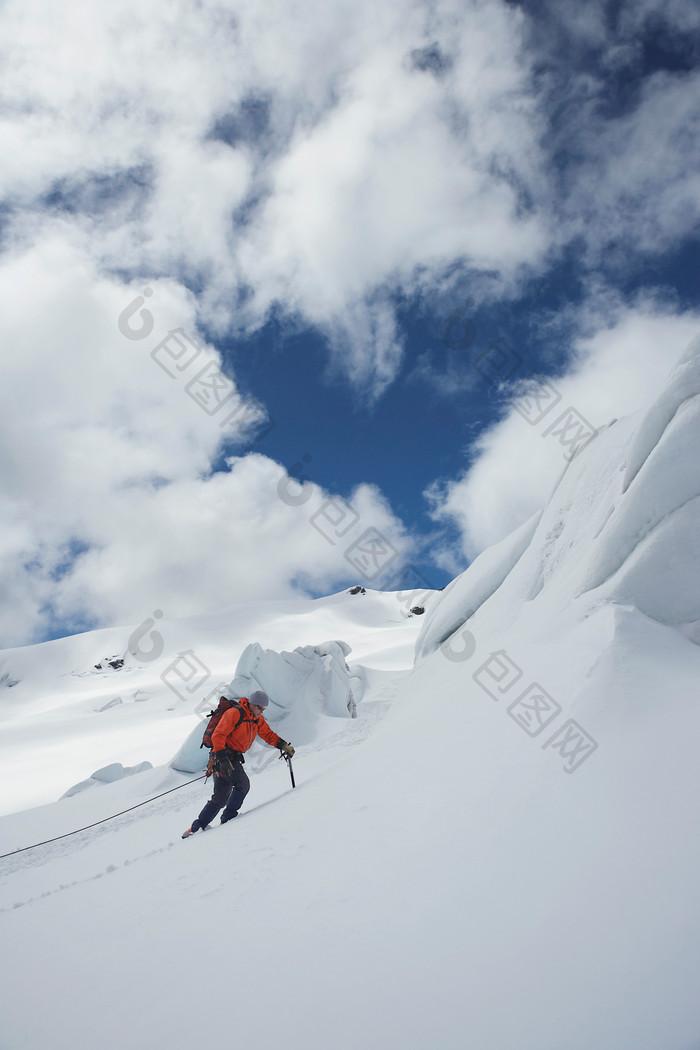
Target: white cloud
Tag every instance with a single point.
(110, 507)
(639, 184)
(682, 15)
(366, 169)
(617, 369)
(619, 94)
(392, 143)
(201, 543)
(407, 171)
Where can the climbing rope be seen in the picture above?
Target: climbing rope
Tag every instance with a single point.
(103, 821)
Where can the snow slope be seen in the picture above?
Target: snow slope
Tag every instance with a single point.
(65, 718)
(500, 851)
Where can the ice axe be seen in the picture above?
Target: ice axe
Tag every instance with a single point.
(288, 760)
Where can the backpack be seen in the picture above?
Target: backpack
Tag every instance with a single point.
(215, 718)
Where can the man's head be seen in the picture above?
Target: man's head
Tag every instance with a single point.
(258, 701)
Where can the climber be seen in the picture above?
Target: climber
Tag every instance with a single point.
(234, 734)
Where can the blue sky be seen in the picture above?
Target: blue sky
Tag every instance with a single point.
(374, 223)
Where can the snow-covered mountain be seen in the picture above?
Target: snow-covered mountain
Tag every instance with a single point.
(498, 851)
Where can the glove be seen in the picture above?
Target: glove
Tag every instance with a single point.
(286, 749)
(210, 764)
(224, 762)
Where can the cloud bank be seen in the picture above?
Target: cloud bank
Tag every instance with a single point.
(111, 502)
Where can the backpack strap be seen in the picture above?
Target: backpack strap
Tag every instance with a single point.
(230, 755)
(241, 713)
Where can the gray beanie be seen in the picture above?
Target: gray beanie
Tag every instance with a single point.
(259, 698)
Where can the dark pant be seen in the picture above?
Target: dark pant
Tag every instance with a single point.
(229, 793)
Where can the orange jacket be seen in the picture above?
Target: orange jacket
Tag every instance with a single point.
(238, 733)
